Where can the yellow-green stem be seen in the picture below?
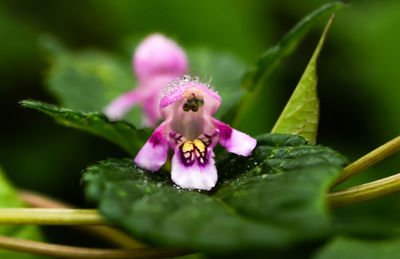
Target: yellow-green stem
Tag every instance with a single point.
(364, 192)
(62, 251)
(368, 160)
(108, 234)
(39, 216)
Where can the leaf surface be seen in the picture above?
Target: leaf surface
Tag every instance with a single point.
(88, 80)
(349, 248)
(121, 133)
(301, 114)
(270, 199)
(260, 95)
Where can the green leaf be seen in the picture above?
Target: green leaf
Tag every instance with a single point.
(121, 133)
(350, 248)
(88, 80)
(268, 201)
(301, 114)
(9, 199)
(260, 95)
(273, 56)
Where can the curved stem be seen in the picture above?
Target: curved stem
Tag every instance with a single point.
(62, 251)
(39, 216)
(109, 234)
(368, 160)
(365, 192)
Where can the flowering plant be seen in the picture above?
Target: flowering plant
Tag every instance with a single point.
(197, 178)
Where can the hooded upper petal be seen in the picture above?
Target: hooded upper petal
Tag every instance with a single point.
(158, 55)
(233, 140)
(180, 89)
(155, 152)
(188, 107)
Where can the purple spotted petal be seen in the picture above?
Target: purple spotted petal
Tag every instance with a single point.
(193, 165)
(117, 108)
(155, 152)
(233, 140)
(195, 176)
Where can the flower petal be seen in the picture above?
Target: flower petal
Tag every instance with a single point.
(155, 152)
(233, 140)
(194, 176)
(193, 165)
(188, 105)
(117, 108)
(159, 55)
(150, 92)
(174, 96)
(150, 108)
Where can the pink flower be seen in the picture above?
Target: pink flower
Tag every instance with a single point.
(190, 130)
(157, 61)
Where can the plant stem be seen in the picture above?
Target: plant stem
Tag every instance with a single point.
(39, 216)
(62, 251)
(109, 234)
(368, 160)
(365, 192)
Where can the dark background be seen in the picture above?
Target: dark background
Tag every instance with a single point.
(359, 73)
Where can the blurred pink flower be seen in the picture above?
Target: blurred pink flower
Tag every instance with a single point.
(157, 61)
(190, 130)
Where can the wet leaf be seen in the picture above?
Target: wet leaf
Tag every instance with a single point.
(273, 199)
(301, 114)
(121, 133)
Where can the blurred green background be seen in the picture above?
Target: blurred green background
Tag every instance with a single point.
(359, 74)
